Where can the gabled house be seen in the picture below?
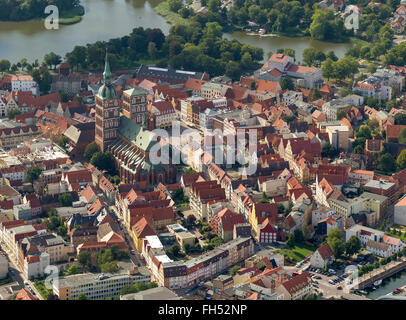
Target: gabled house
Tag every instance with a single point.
(322, 257)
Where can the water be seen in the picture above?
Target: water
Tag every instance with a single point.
(106, 19)
(298, 44)
(387, 287)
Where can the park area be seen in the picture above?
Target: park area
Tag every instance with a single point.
(297, 253)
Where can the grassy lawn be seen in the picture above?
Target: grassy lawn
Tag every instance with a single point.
(72, 16)
(40, 286)
(402, 237)
(170, 16)
(298, 252)
(358, 41)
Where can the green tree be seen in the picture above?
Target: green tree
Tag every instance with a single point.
(233, 70)
(109, 267)
(90, 150)
(12, 113)
(4, 65)
(291, 240)
(52, 60)
(214, 5)
(363, 132)
(287, 84)
(325, 26)
(82, 296)
(402, 136)
(341, 114)
(353, 245)
(85, 258)
(152, 50)
(336, 242)
(386, 163)
(327, 68)
(316, 94)
(174, 250)
(73, 269)
(33, 174)
(401, 160)
(175, 5)
(305, 232)
(103, 161)
(246, 61)
(400, 118)
(63, 142)
(298, 236)
(65, 199)
(309, 55)
(329, 151)
(43, 78)
(233, 270)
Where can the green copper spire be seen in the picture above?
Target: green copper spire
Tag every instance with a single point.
(107, 90)
(107, 72)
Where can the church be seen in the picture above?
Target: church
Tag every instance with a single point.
(128, 141)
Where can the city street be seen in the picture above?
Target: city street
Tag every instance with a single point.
(18, 276)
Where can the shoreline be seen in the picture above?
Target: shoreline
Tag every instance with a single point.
(70, 17)
(173, 18)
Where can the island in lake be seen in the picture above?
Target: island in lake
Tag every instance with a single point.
(71, 11)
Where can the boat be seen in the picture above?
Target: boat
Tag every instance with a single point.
(363, 292)
(373, 288)
(269, 35)
(377, 283)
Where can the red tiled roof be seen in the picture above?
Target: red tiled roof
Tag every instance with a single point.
(297, 283)
(142, 229)
(393, 130)
(325, 251)
(25, 295)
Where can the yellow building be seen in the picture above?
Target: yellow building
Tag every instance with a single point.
(140, 230)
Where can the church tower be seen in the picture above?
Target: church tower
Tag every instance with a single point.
(107, 111)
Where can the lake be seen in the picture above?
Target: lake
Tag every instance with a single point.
(106, 19)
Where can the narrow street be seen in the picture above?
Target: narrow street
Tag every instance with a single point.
(19, 276)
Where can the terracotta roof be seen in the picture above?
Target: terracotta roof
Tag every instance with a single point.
(325, 251)
(88, 193)
(391, 240)
(393, 130)
(278, 57)
(25, 295)
(297, 283)
(78, 176)
(142, 229)
(194, 84)
(327, 89)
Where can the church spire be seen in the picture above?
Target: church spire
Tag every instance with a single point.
(107, 72)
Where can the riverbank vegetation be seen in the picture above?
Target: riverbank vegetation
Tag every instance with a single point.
(170, 16)
(21, 10)
(197, 47)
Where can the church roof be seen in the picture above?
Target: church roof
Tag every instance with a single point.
(132, 131)
(136, 92)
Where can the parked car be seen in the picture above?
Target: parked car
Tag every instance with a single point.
(339, 288)
(331, 282)
(12, 272)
